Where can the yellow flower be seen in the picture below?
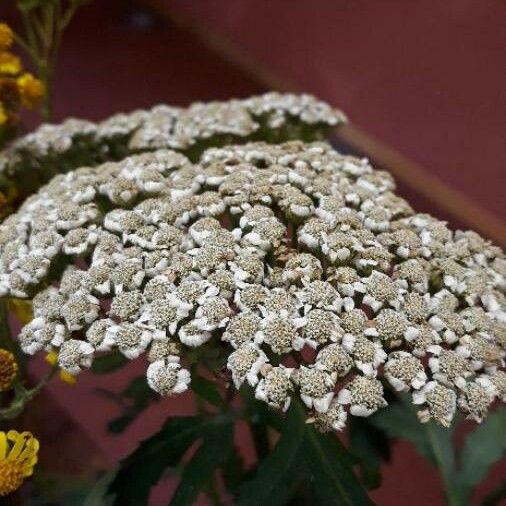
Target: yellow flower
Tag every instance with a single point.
(10, 64)
(52, 359)
(8, 369)
(3, 115)
(31, 89)
(22, 308)
(18, 456)
(6, 36)
(68, 378)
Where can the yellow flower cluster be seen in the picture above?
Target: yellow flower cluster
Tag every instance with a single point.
(18, 456)
(8, 370)
(17, 88)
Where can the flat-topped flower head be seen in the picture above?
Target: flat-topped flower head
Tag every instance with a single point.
(404, 371)
(167, 377)
(335, 359)
(276, 387)
(364, 394)
(334, 419)
(300, 265)
(438, 402)
(242, 328)
(75, 355)
(316, 387)
(245, 364)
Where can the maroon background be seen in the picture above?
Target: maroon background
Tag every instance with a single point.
(426, 77)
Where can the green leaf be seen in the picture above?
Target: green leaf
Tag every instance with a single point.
(431, 440)
(139, 472)
(302, 452)
(481, 449)
(98, 495)
(233, 470)
(274, 481)
(260, 413)
(207, 390)
(109, 363)
(400, 420)
(330, 472)
(370, 445)
(496, 496)
(198, 472)
(138, 396)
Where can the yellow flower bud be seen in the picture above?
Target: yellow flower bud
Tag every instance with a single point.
(52, 358)
(10, 64)
(31, 89)
(3, 115)
(8, 370)
(6, 36)
(68, 378)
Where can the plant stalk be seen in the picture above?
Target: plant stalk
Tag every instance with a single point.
(451, 494)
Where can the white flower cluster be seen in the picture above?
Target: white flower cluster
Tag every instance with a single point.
(320, 281)
(84, 142)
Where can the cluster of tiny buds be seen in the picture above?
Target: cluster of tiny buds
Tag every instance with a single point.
(302, 264)
(166, 127)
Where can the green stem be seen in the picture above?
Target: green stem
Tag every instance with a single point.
(23, 396)
(212, 488)
(259, 431)
(260, 436)
(46, 74)
(67, 16)
(448, 481)
(212, 492)
(23, 44)
(30, 34)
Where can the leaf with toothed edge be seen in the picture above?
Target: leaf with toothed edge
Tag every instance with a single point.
(481, 449)
(302, 453)
(140, 471)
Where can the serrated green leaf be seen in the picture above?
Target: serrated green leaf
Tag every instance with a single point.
(274, 481)
(370, 445)
(233, 470)
(481, 449)
(198, 472)
(138, 396)
(139, 472)
(207, 390)
(109, 363)
(400, 420)
(431, 440)
(330, 471)
(302, 452)
(260, 413)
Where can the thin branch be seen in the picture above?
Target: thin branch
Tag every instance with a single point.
(23, 396)
(67, 16)
(24, 45)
